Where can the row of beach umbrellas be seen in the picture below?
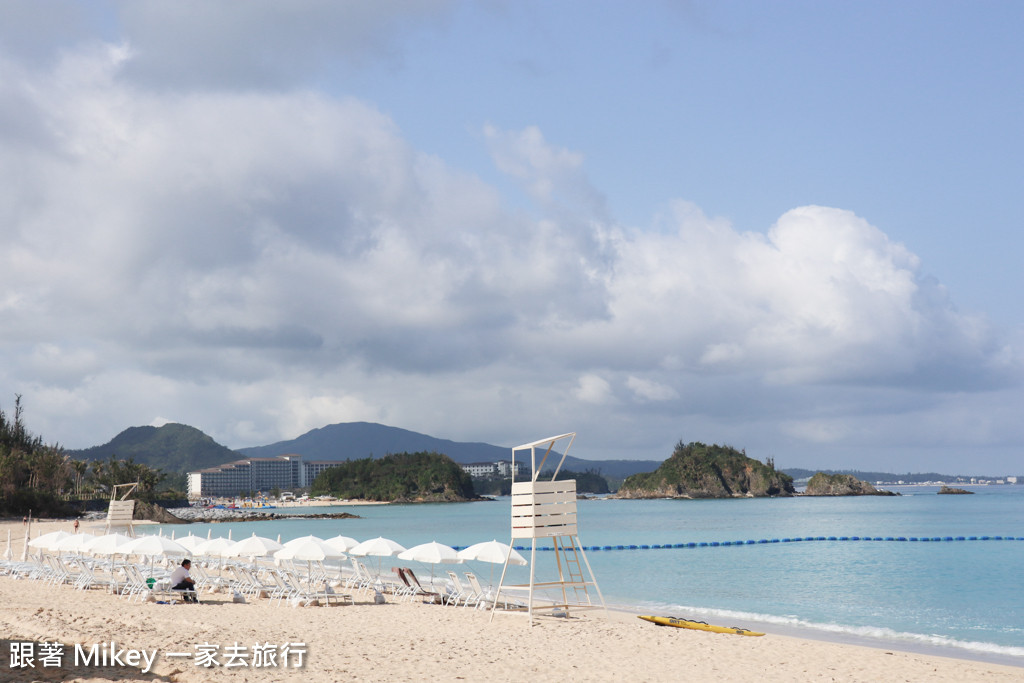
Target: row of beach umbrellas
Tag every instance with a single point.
(307, 548)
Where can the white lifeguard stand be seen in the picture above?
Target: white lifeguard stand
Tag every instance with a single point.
(547, 509)
(120, 513)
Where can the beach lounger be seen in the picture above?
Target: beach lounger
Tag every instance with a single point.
(297, 593)
(460, 592)
(431, 596)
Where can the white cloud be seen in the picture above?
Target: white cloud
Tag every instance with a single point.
(261, 263)
(594, 389)
(551, 176)
(649, 390)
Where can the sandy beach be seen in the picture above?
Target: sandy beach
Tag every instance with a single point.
(410, 642)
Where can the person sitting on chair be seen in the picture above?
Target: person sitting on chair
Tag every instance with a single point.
(181, 580)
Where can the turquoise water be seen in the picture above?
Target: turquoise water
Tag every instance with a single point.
(964, 596)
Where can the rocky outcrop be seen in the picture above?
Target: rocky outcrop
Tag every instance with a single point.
(822, 484)
(199, 514)
(954, 491)
(155, 513)
(697, 470)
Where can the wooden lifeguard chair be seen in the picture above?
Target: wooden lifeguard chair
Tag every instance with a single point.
(547, 510)
(121, 511)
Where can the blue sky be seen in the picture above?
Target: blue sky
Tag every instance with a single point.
(791, 227)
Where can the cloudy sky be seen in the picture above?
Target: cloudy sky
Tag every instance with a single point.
(790, 227)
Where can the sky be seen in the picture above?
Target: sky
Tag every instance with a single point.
(792, 227)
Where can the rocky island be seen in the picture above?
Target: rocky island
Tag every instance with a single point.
(822, 484)
(696, 470)
(954, 491)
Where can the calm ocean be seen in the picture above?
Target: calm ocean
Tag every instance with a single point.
(957, 597)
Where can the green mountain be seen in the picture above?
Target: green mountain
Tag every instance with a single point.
(172, 448)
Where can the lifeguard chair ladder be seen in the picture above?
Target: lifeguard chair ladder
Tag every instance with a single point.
(547, 509)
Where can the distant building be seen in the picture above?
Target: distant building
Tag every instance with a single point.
(255, 474)
(501, 468)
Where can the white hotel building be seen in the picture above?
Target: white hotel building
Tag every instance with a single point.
(501, 468)
(255, 474)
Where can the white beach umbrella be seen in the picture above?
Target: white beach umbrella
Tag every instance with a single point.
(431, 553)
(155, 546)
(254, 546)
(493, 552)
(309, 549)
(24, 549)
(8, 555)
(213, 547)
(342, 543)
(302, 540)
(48, 541)
(108, 544)
(73, 544)
(191, 542)
(378, 547)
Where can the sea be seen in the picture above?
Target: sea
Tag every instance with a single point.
(922, 572)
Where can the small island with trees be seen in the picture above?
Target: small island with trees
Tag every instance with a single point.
(822, 484)
(399, 478)
(697, 470)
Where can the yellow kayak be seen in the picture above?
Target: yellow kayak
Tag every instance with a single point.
(699, 626)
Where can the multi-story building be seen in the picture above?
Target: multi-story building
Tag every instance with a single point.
(255, 474)
(501, 468)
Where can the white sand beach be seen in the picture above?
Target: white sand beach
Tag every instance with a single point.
(413, 642)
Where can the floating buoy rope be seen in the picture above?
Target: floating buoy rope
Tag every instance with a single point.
(797, 539)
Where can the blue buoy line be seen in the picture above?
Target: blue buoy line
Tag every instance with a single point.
(797, 539)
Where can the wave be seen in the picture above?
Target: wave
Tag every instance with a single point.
(882, 635)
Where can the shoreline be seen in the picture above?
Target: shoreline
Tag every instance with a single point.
(808, 641)
(842, 637)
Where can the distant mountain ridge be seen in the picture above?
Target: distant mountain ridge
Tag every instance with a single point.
(889, 477)
(354, 440)
(181, 448)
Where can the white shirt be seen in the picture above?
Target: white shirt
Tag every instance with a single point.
(179, 574)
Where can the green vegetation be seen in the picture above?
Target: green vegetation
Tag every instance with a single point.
(696, 470)
(402, 477)
(32, 474)
(590, 481)
(492, 486)
(44, 478)
(822, 484)
(175, 447)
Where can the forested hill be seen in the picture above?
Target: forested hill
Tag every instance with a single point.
(399, 477)
(172, 448)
